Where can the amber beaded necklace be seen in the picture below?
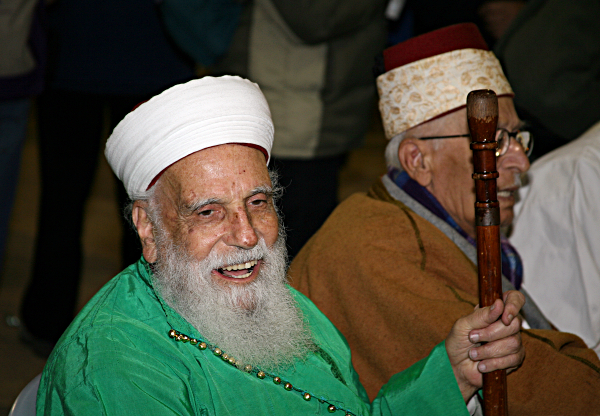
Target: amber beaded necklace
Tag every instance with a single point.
(202, 345)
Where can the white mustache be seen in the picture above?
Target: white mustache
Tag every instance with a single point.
(240, 256)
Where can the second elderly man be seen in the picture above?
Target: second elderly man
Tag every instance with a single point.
(394, 268)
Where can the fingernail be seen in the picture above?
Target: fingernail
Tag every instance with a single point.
(482, 367)
(510, 316)
(473, 354)
(474, 338)
(492, 307)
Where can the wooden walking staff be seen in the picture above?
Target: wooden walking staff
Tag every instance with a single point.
(482, 116)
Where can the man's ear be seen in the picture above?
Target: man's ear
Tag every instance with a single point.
(414, 159)
(145, 230)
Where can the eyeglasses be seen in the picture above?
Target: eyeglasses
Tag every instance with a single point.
(503, 136)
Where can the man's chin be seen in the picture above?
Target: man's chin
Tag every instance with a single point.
(240, 295)
(246, 303)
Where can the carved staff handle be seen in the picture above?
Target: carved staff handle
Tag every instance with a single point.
(482, 116)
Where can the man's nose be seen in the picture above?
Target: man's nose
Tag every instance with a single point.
(242, 232)
(514, 158)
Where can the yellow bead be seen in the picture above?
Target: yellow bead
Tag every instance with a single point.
(331, 408)
(225, 357)
(306, 396)
(277, 380)
(185, 338)
(172, 333)
(218, 351)
(231, 360)
(287, 386)
(247, 368)
(202, 345)
(193, 341)
(261, 374)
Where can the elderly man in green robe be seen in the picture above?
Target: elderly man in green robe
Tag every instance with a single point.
(204, 323)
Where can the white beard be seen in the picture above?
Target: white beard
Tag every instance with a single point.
(258, 323)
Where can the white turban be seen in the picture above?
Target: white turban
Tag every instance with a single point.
(182, 120)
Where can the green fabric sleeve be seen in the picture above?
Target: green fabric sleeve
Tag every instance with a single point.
(117, 378)
(426, 388)
(117, 359)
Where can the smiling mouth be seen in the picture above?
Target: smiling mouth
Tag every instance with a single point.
(239, 271)
(507, 193)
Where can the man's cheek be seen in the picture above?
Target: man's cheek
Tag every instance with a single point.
(506, 214)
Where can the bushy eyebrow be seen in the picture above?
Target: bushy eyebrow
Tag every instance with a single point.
(198, 205)
(262, 189)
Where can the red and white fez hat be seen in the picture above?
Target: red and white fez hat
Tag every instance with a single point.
(430, 75)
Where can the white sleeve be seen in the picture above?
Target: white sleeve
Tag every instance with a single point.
(474, 406)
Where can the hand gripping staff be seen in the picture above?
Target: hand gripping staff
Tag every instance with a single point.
(482, 116)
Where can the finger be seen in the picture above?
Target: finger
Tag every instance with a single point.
(513, 302)
(482, 318)
(497, 349)
(498, 330)
(507, 362)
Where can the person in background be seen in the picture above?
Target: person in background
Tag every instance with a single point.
(22, 68)
(314, 64)
(551, 55)
(104, 58)
(560, 206)
(492, 17)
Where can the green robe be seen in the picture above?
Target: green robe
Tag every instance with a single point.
(117, 358)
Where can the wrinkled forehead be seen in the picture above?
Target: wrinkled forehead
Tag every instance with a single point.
(456, 121)
(221, 171)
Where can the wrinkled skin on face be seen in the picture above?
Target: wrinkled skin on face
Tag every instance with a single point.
(215, 200)
(211, 231)
(444, 166)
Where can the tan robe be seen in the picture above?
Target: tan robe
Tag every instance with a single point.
(394, 285)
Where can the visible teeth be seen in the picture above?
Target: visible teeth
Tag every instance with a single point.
(242, 266)
(504, 193)
(242, 276)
